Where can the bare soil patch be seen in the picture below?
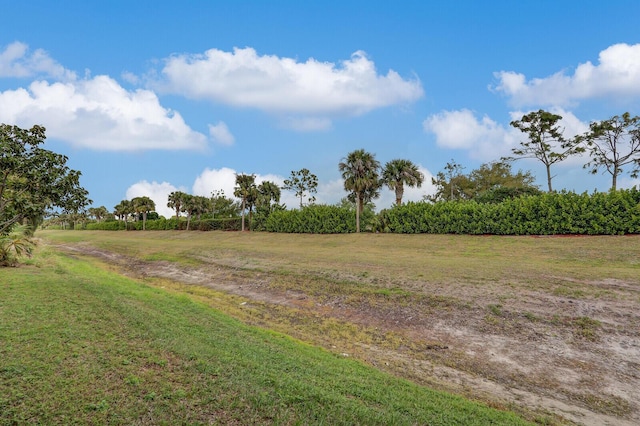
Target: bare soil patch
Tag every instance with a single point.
(575, 359)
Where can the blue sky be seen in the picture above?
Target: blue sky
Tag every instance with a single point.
(148, 97)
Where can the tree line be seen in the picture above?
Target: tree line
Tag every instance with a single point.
(36, 183)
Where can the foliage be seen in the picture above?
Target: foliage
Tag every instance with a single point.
(123, 210)
(15, 244)
(98, 213)
(34, 180)
(245, 189)
(610, 213)
(546, 142)
(481, 184)
(223, 207)
(449, 183)
(397, 173)
(301, 182)
(175, 201)
(612, 144)
(313, 219)
(143, 205)
(360, 171)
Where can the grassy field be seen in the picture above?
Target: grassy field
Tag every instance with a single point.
(82, 344)
(546, 326)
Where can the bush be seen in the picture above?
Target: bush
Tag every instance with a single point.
(314, 219)
(610, 213)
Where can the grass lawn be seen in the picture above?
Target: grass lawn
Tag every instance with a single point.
(80, 344)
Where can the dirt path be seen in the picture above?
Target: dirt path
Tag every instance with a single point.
(574, 358)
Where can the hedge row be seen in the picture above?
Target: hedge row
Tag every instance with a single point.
(315, 219)
(610, 213)
(162, 224)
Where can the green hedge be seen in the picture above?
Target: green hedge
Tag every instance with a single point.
(610, 213)
(314, 219)
(162, 224)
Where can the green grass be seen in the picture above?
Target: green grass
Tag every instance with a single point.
(82, 345)
(394, 260)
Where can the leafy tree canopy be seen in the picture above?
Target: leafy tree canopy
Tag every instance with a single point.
(302, 182)
(546, 141)
(34, 180)
(612, 144)
(496, 178)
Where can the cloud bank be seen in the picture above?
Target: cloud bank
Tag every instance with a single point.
(93, 112)
(484, 138)
(284, 86)
(616, 75)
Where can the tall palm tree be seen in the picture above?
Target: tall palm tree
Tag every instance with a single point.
(123, 209)
(245, 188)
(188, 206)
(175, 201)
(398, 173)
(360, 171)
(268, 192)
(143, 205)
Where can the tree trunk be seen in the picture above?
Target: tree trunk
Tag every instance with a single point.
(357, 212)
(244, 205)
(399, 193)
(549, 177)
(614, 179)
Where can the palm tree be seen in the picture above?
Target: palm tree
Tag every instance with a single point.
(397, 173)
(245, 188)
(188, 206)
(268, 192)
(143, 205)
(175, 201)
(360, 173)
(123, 209)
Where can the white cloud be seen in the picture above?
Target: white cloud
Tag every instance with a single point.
(99, 114)
(220, 133)
(283, 86)
(17, 61)
(158, 192)
(306, 124)
(483, 138)
(617, 74)
(215, 179)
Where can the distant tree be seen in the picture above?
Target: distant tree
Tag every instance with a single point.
(546, 141)
(268, 195)
(397, 173)
(143, 205)
(34, 180)
(223, 206)
(449, 183)
(360, 171)
(98, 213)
(612, 144)
(489, 177)
(498, 174)
(202, 205)
(175, 201)
(188, 206)
(245, 190)
(123, 210)
(301, 182)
